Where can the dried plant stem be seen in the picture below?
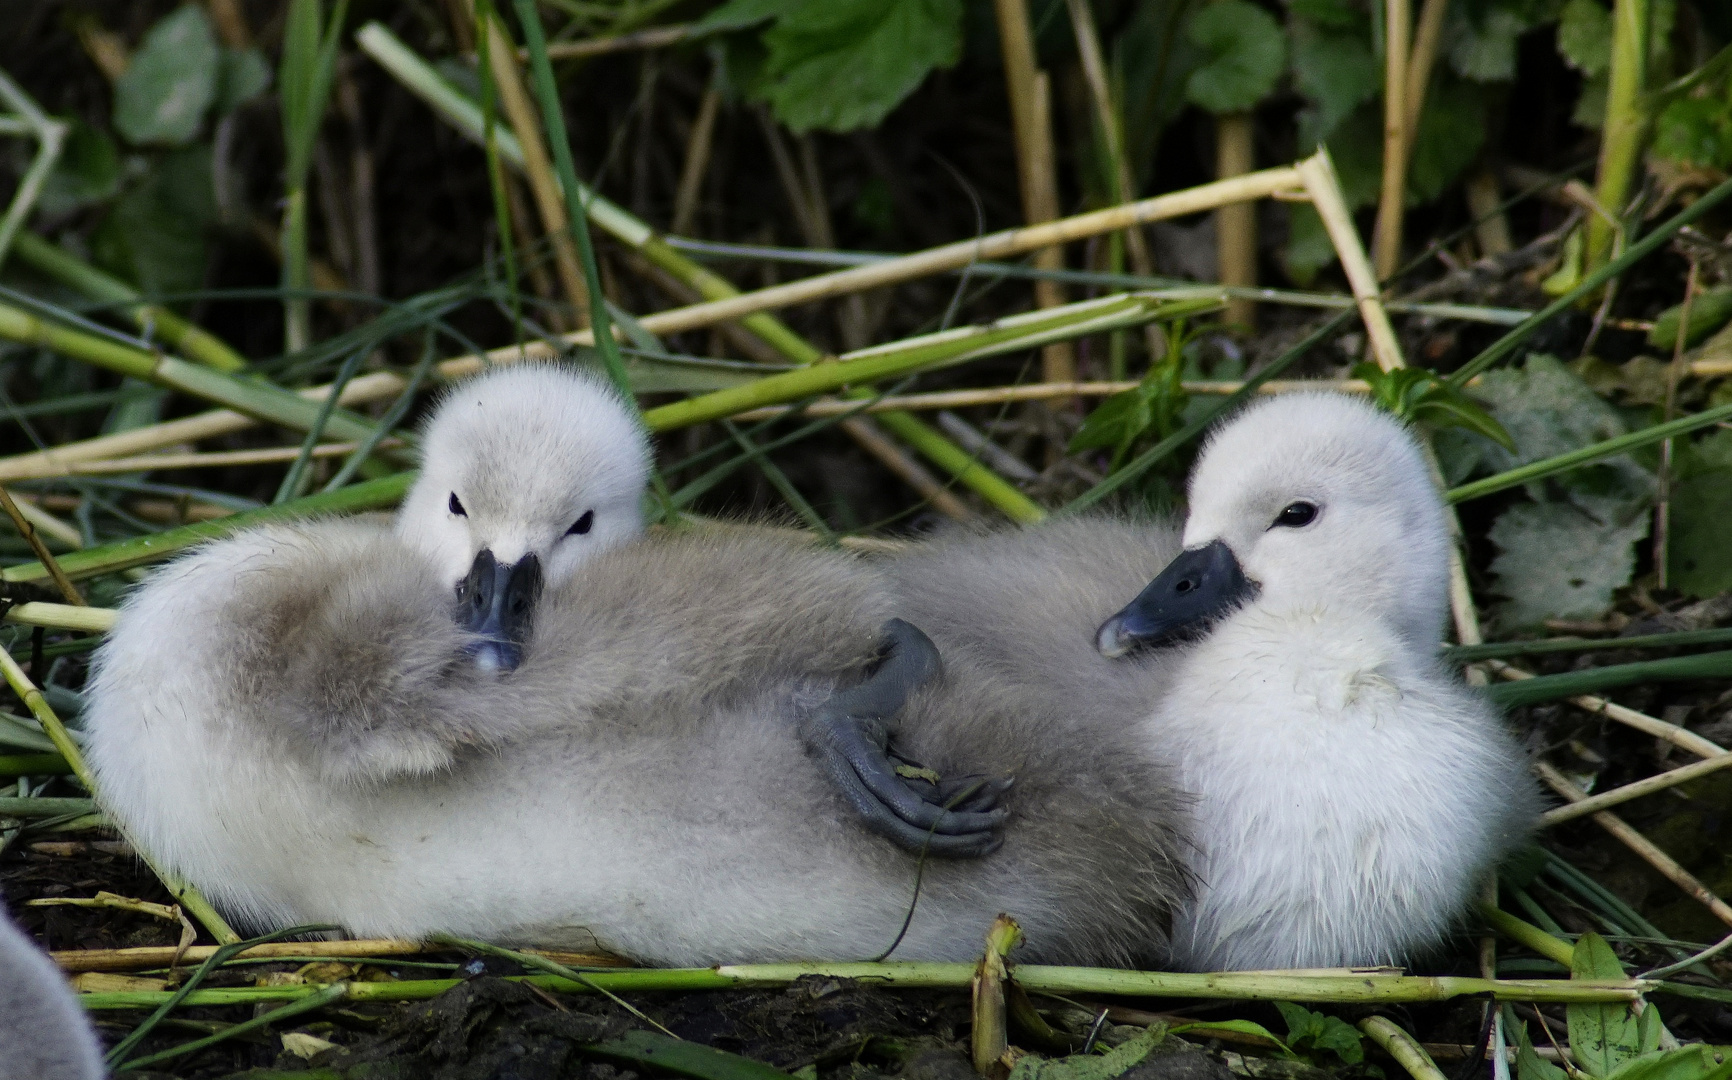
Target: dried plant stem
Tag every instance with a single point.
(1641, 845)
(90, 620)
(28, 532)
(656, 37)
(1318, 174)
(1636, 789)
(1236, 223)
(27, 692)
(990, 1037)
(1030, 94)
(1485, 203)
(697, 161)
(1392, 201)
(917, 476)
(1663, 478)
(1402, 1047)
(999, 395)
(1427, 37)
(1642, 722)
(537, 166)
(212, 460)
(76, 960)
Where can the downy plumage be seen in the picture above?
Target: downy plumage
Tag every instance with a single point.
(44, 1033)
(294, 720)
(1350, 791)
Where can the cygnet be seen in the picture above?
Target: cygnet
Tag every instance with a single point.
(1351, 793)
(44, 1033)
(622, 755)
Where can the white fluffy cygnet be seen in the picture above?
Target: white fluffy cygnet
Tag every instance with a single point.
(1351, 793)
(44, 1033)
(293, 720)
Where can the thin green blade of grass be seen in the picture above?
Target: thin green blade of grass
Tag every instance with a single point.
(34, 765)
(192, 340)
(318, 999)
(1153, 456)
(1467, 654)
(1587, 455)
(667, 1054)
(304, 88)
(1714, 665)
(784, 487)
(1638, 251)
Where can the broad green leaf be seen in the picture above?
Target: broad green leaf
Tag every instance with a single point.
(1451, 132)
(1320, 1033)
(1243, 1027)
(1556, 561)
(1696, 131)
(242, 75)
(1417, 394)
(88, 172)
(1603, 1035)
(1334, 14)
(1356, 144)
(1308, 247)
(1152, 60)
(1246, 53)
(1693, 1062)
(1484, 47)
(1709, 311)
(1335, 70)
(1585, 36)
(1590, 110)
(162, 96)
(1699, 537)
(740, 14)
(155, 234)
(1529, 1065)
(844, 64)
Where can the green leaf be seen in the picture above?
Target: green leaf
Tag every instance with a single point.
(88, 172)
(1590, 110)
(155, 235)
(1585, 37)
(1336, 71)
(242, 75)
(1693, 1062)
(1451, 132)
(1556, 561)
(740, 14)
(1709, 311)
(1152, 59)
(1334, 14)
(1484, 48)
(1699, 536)
(1418, 394)
(1603, 1035)
(1245, 54)
(304, 81)
(162, 96)
(1696, 131)
(1318, 1033)
(1115, 1062)
(1529, 1065)
(838, 65)
(1243, 1027)
(1308, 247)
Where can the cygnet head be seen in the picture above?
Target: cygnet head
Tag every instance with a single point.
(1303, 502)
(526, 472)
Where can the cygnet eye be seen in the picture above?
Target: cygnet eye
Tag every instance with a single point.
(456, 506)
(582, 524)
(1295, 515)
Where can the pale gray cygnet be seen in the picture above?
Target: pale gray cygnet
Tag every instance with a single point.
(44, 1033)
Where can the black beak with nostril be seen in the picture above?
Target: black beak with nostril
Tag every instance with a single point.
(497, 602)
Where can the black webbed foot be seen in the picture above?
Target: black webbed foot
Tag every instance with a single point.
(850, 734)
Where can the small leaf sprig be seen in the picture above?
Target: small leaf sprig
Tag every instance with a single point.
(1421, 396)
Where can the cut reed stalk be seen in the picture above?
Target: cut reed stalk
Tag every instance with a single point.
(1392, 199)
(1527, 934)
(1236, 224)
(1318, 175)
(28, 531)
(1636, 789)
(1642, 722)
(1401, 1046)
(999, 395)
(89, 620)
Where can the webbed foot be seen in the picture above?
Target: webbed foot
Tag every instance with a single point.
(850, 734)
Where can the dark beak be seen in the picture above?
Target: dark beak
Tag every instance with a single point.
(497, 602)
(1194, 590)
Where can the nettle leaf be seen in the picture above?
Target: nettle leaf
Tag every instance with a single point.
(1242, 1027)
(88, 172)
(1420, 395)
(1529, 1065)
(1115, 1062)
(1585, 36)
(155, 234)
(1603, 1035)
(1693, 1062)
(1335, 14)
(1696, 131)
(1246, 53)
(838, 65)
(741, 14)
(1557, 561)
(1699, 535)
(1451, 131)
(1308, 247)
(162, 96)
(1334, 70)
(242, 75)
(1154, 408)
(1484, 47)
(1318, 1033)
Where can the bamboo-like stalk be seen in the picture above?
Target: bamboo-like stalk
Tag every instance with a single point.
(1636, 789)
(1641, 845)
(1485, 203)
(1236, 223)
(318, 999)
(1030, 93)
(1650, 725)
(656, 37)
(50, 141)
(1709, 665)
(1404, 1048)
(1342, 986)
(83, 618)
(1625, 127)
(213, 460)
(190, 898)
(152, 956)
(1524, 933)
(989, 1038)
(872, 439)
(1392, 199)
(154, 320)
(1321, 183)
(1427, 38)
(697, 160)
(999, 395)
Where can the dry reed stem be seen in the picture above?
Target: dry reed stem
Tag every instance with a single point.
(1427, 36)
(1484, 200)
(1392, 199)
(872, 439)
(47, 522)
(77, 960)
(43, 555)
(1030, 93)
(999, 395)
(1401, 1046)
(697, 161)
(537, 167)
(1236, 224)
(1641, 845)
(1663, 486)
(1318, 175)
(1637, 789)
(656, 37)
(1642, 722)
(212, 460)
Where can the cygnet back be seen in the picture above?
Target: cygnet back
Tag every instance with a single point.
(44, 1033)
